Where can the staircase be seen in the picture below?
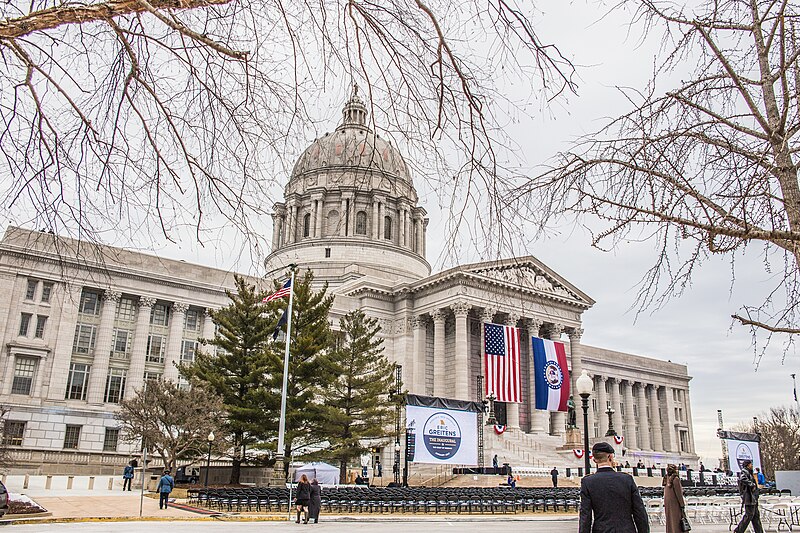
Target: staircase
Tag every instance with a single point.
(536, 451)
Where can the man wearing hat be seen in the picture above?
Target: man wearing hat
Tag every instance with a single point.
(748, 489)
(610, 500)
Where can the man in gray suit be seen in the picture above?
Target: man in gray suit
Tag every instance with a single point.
(610, 500)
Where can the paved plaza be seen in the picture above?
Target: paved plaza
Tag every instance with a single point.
(390, 524)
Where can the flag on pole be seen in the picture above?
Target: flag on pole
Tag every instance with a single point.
(281, 322)
(501, 362)
(280, 293)
(551, 374)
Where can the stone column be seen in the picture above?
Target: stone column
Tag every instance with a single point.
(670, 443)
(576, 357)
(419, 367)
(461, 312)
(439, 367)
(688, 410)
(487, 316)
(290, 223)
(276, 231)
(59, 359)
(173, 355)
(602, 404)
(512, 409)
(579, 407)
(343, 218)
(102, 349)
(655, 416)
(631, 442)
(351, 215)
(374, 228)
(615, 404)
(539, 418)
(418, 234)
(558, 419)
(312, 232)
(135, 376)
(424, 237)
(644, 421)
(401, 226)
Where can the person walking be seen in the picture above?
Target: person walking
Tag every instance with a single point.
(127, 476)
(165, 486)
(673, 499)
(303, 498)
(554, 476)
(748, 489)
(495, 463)
(610, 500)
(315, 501)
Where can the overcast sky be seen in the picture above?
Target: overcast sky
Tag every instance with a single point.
(695, 329)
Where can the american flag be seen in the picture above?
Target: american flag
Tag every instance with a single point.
(501, 362)
(280, 293)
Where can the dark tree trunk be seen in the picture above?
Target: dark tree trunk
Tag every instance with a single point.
(343, 471)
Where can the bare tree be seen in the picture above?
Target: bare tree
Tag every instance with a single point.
(5, 456)
(173, 421)
(706, 167)
(168, 116)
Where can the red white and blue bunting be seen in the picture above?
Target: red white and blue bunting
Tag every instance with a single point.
(618, 439)
(579, 453)
(499, 429)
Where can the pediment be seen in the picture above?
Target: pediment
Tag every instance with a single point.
(529, 273)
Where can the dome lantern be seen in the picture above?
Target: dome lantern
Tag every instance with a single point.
(354, 112)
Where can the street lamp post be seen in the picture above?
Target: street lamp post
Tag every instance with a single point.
(396, 469)
(208, 461)
(611, 431)
(584, 386)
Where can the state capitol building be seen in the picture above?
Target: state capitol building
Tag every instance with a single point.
(80, 335)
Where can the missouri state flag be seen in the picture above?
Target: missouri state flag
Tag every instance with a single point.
(551, 374)
(501, 362)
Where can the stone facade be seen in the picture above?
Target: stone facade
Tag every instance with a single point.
(86, 326)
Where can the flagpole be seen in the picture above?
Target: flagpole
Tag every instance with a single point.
(282, 425)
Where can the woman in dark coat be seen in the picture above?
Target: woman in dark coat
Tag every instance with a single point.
(315, 503)
(303, 498)
(673, 499)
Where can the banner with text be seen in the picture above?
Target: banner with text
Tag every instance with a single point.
(739, 451)
(443, 435)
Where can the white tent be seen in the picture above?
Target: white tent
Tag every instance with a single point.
(325, 473)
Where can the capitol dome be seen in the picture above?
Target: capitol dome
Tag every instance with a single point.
(352, 145)
(350, 208)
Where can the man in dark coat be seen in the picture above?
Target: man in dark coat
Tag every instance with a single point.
(610, 500)
(315, 504)
(748, 489)
(554, 476)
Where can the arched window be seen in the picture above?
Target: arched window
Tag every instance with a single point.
(361, 223)
(387, 228)
(332, 227)
(307, 225)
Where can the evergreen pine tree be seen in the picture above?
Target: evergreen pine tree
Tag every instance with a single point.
(311, 340)
(236, 370)
(358, 407)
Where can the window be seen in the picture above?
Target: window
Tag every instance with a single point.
(160, 315)
(90, 303)
(361, 223)
(72, 437)
(84, 338)
(30, 292)
(40, 323)
(155, 348)
(192, 322)
(110, 440)
(387, 228)
(327, 252)
(13, 432)
(306, 225)
(77, 381)
(24, 370)
(187, 351)
(684, 437)
(24, 324)
(121, 342)
(115, 385)
(47, 291)
(150, 377)
(126, 310)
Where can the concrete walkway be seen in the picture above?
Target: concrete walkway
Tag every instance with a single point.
(114, 505)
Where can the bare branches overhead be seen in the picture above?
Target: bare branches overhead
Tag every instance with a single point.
(702, 166)
(163, 115)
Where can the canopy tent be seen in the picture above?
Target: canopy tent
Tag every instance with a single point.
(325, 473)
